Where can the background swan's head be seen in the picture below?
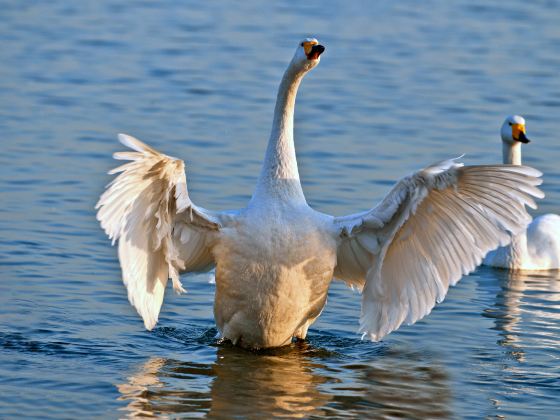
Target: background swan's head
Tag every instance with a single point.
(307, 54)
(513, 130)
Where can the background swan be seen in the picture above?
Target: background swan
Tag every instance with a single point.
(275, 258)
(537, 248)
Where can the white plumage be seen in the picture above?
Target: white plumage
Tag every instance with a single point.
(139, 209)
(537, 248)
(276, 258)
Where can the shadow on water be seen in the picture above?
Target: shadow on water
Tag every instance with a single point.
(295, 381)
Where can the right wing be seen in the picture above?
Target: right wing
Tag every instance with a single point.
(160, 231)
(433, 227)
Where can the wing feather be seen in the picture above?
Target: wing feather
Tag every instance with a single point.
(431, 229)
(147, 209)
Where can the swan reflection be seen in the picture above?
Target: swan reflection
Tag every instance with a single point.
(295, 382)
(525, 297)
(280, 383)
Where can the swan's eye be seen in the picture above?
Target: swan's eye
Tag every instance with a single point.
(510, 124)
(301, 44)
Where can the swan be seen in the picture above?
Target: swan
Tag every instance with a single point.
(275, 258)
(538, 247)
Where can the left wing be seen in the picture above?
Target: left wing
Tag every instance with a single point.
(431, 229)
(160, 231)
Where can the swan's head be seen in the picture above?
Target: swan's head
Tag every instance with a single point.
(513, 130)
(307, 54)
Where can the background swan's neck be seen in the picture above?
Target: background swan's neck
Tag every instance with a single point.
(279, 174)
(516, 252)
(511, 153)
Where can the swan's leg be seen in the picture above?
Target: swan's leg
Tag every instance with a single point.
(301, 332)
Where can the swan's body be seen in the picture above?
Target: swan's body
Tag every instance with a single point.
(273, 270)
(275, 258)
(537, 248)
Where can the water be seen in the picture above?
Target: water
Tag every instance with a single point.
(401, 85)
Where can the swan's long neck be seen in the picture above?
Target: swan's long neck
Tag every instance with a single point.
(511, 153)
(517, 250)
(279, 174)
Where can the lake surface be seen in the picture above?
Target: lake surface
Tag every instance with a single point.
(401, 85)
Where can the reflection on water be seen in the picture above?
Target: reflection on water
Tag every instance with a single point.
(399, 383)
(136, 390)
(291, 382)
(516, 288)
(526, 315)
(284, 382)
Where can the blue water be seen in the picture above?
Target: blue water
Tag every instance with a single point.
(401, 85)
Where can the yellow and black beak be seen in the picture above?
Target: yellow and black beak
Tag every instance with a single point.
(518, 133)
(313, 50)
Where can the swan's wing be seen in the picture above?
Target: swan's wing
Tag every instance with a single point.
(160, 231)
(433, 227)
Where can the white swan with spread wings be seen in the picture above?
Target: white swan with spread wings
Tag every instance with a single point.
(276, 258)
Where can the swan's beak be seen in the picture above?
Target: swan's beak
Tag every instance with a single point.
(518, 133)
(315, 52)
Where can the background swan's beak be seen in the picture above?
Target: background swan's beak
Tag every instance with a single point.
(315, 52)
(518, 133)
(522, 138)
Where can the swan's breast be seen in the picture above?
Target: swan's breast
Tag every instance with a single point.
(272, 276)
